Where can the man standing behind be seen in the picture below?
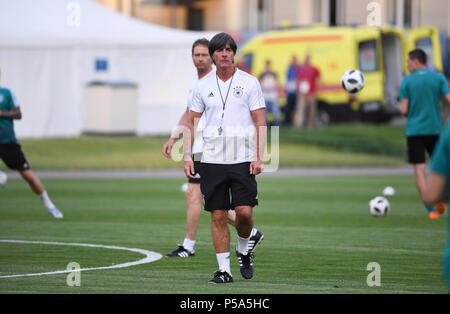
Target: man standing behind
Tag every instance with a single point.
(308, 79)
(234, 139)
(420, 94)
(203, 65)
(291, 90)
(269, 86)
(11, 152)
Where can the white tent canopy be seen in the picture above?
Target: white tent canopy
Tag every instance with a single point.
(48, 50)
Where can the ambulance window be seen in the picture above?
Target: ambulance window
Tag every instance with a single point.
(245, 63)
(367, 55)
(426, 45)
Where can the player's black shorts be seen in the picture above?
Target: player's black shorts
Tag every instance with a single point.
(417, 145)
(219, 182)
(197, 164)
(13, 156)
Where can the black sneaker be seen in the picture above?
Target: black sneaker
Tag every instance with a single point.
(254, 241)
(246, 264)
(180, 252)
(221, 277)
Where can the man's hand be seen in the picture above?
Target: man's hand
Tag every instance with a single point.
(256, 167)
(167, 149)
(189, 167)
(13, 114)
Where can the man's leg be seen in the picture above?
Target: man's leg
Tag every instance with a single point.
(415, 155)
(244, 221)
(221, 238)
(33, 181)
(312, 106)
(37, 187)
(419, 171)
(232, 217)
(290, 108)
(194, 203)
(299, 115)
(219, 231)
(244, 226)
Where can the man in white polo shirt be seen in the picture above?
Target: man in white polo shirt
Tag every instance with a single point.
(233, 144)
(194, 202)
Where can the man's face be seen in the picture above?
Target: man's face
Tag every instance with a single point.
(201, 58)
(412, 64)
(223, 57)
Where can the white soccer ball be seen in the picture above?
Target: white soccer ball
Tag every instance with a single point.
(3, 179)
(353, 81)
(184, 187)
(379, 206)
(388, 191)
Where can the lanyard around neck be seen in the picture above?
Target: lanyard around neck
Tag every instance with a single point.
(224, 102)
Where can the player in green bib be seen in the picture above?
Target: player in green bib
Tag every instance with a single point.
(420, 94)
(437, 187)
(11, 152)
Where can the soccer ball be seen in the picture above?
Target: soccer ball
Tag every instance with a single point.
(388, 191)
(3, 179)
(379, 206)
(353, 81)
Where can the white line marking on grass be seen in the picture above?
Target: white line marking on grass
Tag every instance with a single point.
(149, 257)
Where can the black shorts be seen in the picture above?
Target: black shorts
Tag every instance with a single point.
(197, 158)
(219, 182)
(13, 156)
(417, 145)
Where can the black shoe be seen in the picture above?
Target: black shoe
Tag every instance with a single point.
(254, 241)
(180, 252)
(246, 264)
(221, 277)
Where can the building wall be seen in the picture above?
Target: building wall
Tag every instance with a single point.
(221, 14)
(438, 14)
(292, 12)
(356, 12)
(242, 15)
(163, 15)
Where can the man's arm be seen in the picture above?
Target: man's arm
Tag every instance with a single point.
(404, 107)
(175, 134)
(188, 140)
(448, 98)
(13, 114)
(259, 118)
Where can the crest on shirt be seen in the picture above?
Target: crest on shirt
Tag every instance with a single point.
(238, 91)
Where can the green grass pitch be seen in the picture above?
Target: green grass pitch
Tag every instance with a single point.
(319, 238)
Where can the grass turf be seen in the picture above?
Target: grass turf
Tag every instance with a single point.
(339, 145)
(319, 238)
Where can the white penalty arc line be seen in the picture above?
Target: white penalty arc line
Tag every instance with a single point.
(150, 256)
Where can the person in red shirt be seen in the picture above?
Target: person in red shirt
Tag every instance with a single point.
(308, 83)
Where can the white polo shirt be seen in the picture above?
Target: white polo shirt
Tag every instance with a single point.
(229, 134)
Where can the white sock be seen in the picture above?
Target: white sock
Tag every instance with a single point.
(188, 244)
(47, 202)
(242, 245)
(254, 230)
(223, 259)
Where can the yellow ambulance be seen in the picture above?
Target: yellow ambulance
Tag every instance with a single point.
(379, 52)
